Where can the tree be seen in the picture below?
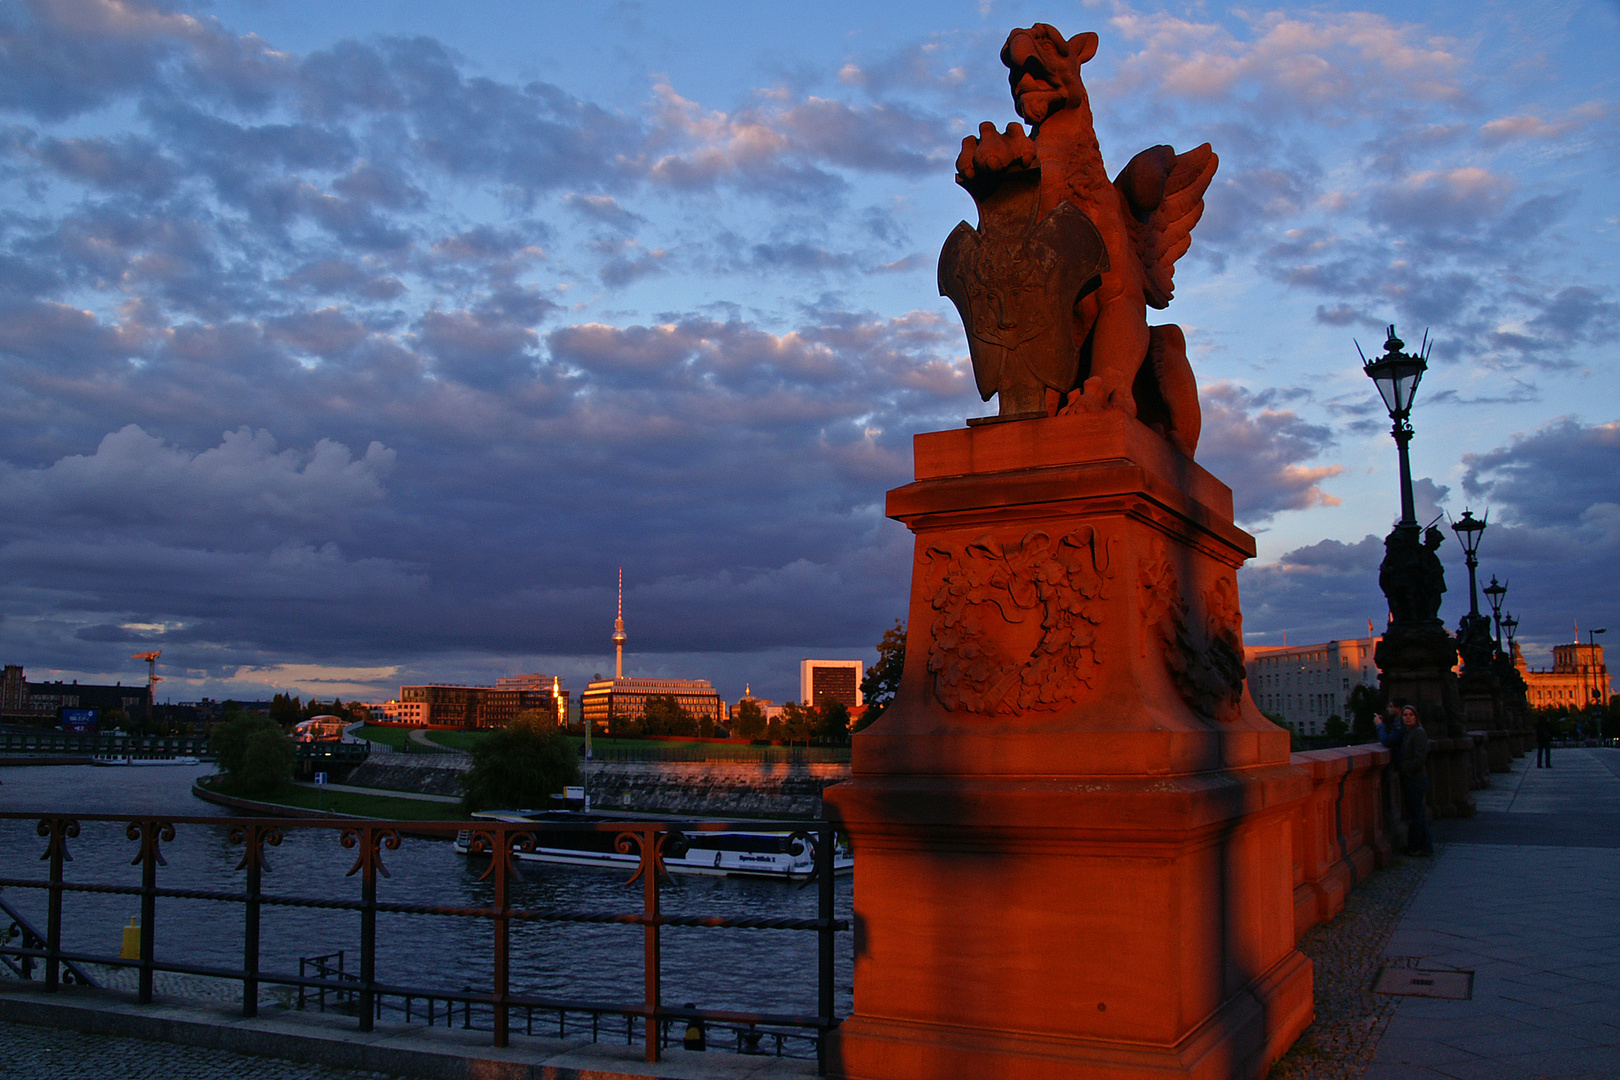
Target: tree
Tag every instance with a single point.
(832, 722)
(253, 753)
(1335, 727)
(1363, 704)
(883, 678)
(286, 710)
(520, 766)
(750, 722)
(798, 721)
(663, 715)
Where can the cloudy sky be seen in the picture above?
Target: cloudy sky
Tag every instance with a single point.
(344, 346)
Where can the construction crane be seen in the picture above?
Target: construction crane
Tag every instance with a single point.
(152, 678)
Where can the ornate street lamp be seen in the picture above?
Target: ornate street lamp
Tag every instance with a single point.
(1397, 374)
(1591, 661)
(1469, 530)
(1510, 624)
(1495, 593)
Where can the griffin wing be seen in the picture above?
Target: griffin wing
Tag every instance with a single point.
(1163, 227)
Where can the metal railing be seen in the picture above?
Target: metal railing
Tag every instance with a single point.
(92, 743)
(647, 842)
(32, 942)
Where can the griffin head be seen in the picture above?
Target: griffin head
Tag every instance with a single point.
(1044, 70)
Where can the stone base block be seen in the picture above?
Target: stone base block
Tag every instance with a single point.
(1241, 1040)
(1073, 927)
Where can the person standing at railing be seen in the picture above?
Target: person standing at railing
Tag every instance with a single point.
(1414, 772)
(1388, 729)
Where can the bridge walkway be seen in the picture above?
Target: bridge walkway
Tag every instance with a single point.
(1524, 896)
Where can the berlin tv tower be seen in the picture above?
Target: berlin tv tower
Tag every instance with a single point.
(618, 632)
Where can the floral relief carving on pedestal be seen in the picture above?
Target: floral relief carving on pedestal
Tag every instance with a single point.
(1014, 623)
(1205, 656)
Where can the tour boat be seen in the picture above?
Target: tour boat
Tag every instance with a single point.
(145, 759)
(733, 853)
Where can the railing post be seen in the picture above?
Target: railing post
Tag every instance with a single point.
(150, 832)
(58, 831)
(368, 929)
(254, 837)
(250, 934)
(824, 936)
(652, 981)
(502, 856)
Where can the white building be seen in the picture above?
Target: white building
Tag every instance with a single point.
(1306, 684)
(838, 680)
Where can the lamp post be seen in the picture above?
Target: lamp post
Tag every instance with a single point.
(1469, 530)
(1510, 624)
(1591, 660)
(1494, 593)
(1397, 374)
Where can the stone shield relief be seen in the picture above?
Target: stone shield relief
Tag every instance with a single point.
(1015, 620)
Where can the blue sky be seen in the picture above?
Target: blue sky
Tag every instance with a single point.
(346, 346)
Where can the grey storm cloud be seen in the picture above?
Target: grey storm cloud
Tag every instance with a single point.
(1552, 477)
(1321, 592)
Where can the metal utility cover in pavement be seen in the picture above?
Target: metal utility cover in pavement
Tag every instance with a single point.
(1415, 982)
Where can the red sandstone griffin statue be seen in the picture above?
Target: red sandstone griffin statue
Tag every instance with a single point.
(1055, 302)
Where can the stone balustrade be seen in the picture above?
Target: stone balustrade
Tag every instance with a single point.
(1342, 830)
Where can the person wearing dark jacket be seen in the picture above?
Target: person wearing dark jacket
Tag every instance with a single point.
(1388, 729)
(1544, 734)
(1414, 770)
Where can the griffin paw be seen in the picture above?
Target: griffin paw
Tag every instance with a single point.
(995, 152)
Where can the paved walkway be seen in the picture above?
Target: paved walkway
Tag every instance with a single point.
(390, 792)
(1526, 896)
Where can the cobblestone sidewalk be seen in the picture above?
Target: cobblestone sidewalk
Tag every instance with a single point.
(1347, 952)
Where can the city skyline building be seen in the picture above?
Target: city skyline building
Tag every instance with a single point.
(605, 699)
(42, 702)
(830, 680)
(1306, 685)
(455, 705)
(1578, 678)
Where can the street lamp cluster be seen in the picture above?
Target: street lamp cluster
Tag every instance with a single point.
(1397, 374)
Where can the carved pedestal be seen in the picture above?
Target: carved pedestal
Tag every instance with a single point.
(1072, 826)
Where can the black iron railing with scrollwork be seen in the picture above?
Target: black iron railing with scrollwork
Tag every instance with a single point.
(370, 840)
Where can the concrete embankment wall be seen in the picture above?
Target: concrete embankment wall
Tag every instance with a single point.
(712, 789)
(695, 789)
(429, 774)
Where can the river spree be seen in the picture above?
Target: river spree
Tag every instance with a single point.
(748, 970)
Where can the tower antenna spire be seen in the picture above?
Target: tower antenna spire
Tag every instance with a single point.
(618, 632)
